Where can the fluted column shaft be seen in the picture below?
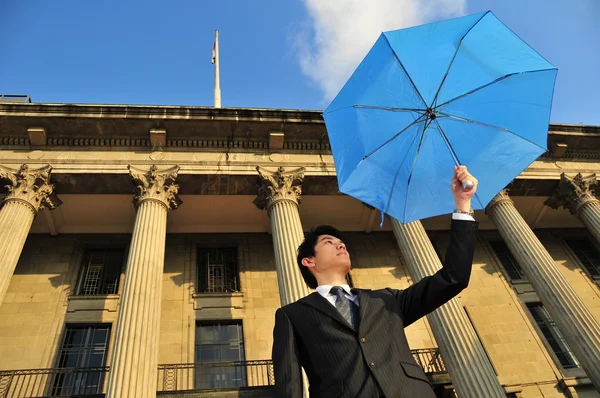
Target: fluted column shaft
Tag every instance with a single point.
(134, 365)
(471, 371)
(287, 236)
(589, 214)
(575, 322)
(29, 191)
(16, 218)
(279, 195)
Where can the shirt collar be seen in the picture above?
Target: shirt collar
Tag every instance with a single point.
(324, 289)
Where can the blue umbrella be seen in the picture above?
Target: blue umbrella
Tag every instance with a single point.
(466, 91)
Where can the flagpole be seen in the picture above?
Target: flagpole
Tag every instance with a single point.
(217, 77)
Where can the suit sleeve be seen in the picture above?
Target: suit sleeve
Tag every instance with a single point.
(433, 291)
(286, 363)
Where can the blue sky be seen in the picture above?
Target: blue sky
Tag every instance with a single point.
(274, 54)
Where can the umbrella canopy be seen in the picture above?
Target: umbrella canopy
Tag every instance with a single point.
(466, 91)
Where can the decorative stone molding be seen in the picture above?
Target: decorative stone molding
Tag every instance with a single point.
(156, 185)
(30, 187)
(574, 155)
(574, 192)
(183, 143)
(279, 185)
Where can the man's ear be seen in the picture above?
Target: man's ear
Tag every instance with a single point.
(308, 262)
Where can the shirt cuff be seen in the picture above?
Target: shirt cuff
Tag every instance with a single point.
(461, 216)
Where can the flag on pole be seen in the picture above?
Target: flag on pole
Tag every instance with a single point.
(214, 53)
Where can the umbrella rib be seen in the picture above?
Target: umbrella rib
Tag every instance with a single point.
(465, 120)
(389, 109)
(452, 61)
(396, 177)
(489, 84)
(415, 164)
(394, 137)
(405, 72)
(454, 155)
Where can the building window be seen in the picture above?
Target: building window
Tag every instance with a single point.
(587, 254)
(553, 337)
(220, 346)
(101, 271)
(510, 264)
(218, 270)
(82, 347)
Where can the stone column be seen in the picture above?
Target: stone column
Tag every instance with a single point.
(279, 194)
(133, 370)
(471, 371)
(578, 326)
(577, 195)
(29, 191)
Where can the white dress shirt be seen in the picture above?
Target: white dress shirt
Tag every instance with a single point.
(323, 290)
(462, 216)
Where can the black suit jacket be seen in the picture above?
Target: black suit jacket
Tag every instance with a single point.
(342, 362)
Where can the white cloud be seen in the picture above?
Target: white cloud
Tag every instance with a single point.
(341, 32)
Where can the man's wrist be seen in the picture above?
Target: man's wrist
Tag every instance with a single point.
(463, 206)
(470, 212)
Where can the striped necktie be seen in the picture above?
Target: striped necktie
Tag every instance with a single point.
(345, 306)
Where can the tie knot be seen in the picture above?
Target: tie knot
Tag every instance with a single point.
(338, 291)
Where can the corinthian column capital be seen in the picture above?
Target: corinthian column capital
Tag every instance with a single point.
(574, 192)
(30, 187)
(278, 185)
(502, 197)
(156, 185)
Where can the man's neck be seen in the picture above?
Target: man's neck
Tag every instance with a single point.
(332, 280)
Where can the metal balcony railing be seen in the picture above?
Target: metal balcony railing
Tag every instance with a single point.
(430, 360)
(91, 382)
(59, 382)
(215, 375)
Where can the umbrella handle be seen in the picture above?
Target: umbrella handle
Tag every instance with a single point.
(467, 184)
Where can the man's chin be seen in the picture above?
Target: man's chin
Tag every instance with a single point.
(347, 267)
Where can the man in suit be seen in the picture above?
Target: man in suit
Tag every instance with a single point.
(351, 342)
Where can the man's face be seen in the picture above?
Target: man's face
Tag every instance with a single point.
(331, 256)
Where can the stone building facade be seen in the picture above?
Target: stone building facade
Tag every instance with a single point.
(145, 249)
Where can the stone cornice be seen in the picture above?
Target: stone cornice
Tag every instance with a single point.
(102, 126)
(104, 111)
(128, 126)
(120, 111)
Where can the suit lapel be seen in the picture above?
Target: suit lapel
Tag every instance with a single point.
(320, 303)
(367, 309)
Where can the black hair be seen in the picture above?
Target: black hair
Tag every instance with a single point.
(307, 249)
